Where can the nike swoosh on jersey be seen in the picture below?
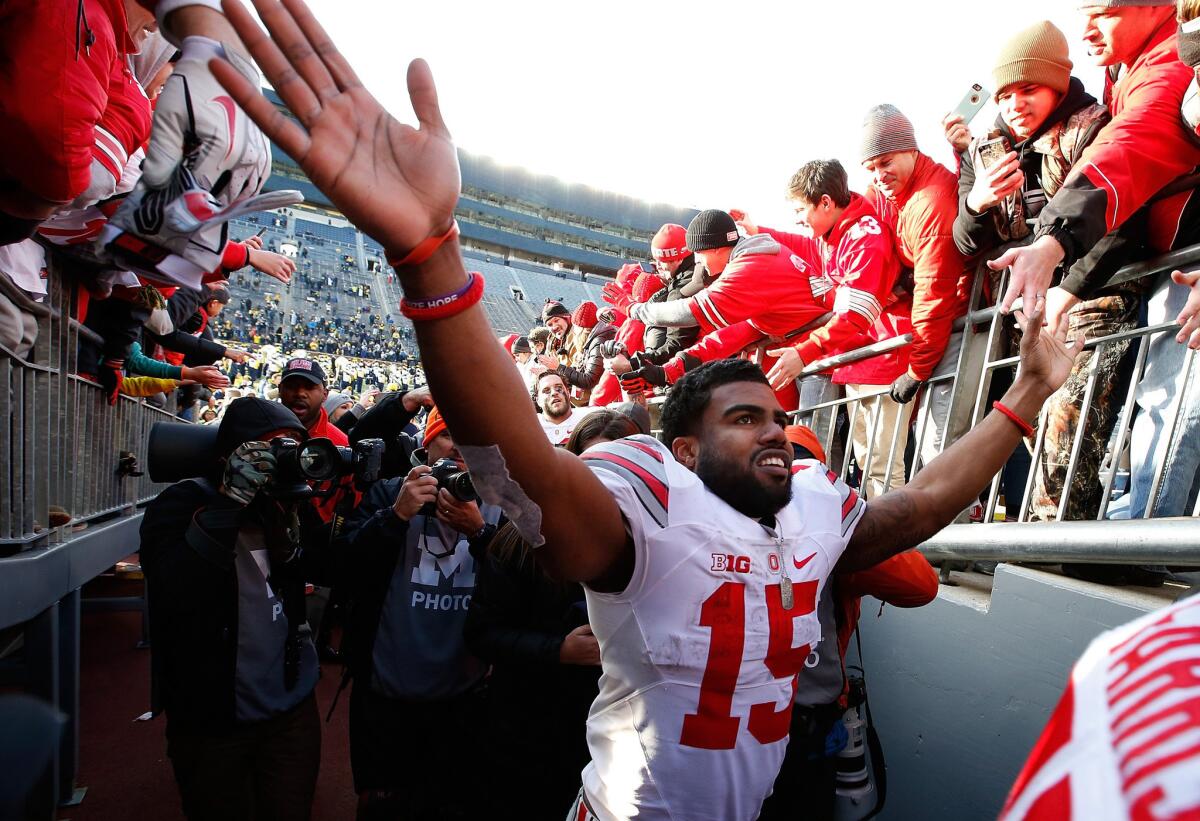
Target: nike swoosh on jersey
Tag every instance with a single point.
(800, 564)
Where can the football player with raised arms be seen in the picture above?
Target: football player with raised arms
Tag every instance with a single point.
(704, 557)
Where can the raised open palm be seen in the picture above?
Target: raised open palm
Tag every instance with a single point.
(1045, 356)
(395, 182)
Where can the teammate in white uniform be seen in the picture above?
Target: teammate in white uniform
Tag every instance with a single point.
(698, 663)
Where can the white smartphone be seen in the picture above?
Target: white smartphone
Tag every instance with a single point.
(974, 100)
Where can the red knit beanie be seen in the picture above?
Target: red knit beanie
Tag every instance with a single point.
(670, 243)
(647, 285)
(585, 315)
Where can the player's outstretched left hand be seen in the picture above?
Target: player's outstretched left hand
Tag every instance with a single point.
(1046, 357)
(397, 183)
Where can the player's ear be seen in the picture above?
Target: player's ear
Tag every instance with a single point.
(685, 449)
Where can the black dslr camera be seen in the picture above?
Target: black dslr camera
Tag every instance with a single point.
(299, 465)
(178, 451)
(457, 482)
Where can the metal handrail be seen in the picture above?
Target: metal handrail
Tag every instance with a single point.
(62, 443)
(1156, 541)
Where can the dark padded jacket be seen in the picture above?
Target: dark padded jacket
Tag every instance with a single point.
(589, 372)
(188, 537)
(660, 344)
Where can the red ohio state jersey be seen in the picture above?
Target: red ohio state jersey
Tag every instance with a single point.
(700, 652)
(1124, 742)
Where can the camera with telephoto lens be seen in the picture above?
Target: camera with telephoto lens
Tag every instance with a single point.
(178, 451)
(299, 465)
(457, 482)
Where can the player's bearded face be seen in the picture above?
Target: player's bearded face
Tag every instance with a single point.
(739, 481)
(742, 454)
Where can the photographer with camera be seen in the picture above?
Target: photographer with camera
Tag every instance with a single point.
(410, 560)
(233, 664)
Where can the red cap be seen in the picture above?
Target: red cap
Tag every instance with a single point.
(647, 285)
(670, 243)
(585, 315)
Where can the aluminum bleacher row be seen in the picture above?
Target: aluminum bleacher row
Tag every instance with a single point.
(514, 295)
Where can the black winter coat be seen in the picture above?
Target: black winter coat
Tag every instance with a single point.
(661, 344)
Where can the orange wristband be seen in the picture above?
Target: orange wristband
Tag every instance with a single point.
(425, 248)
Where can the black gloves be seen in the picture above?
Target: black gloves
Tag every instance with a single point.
(651, 374)
(905, 388)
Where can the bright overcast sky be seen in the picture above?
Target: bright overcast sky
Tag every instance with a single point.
(692, 103)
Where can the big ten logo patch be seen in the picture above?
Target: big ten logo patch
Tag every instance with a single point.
(730, 563)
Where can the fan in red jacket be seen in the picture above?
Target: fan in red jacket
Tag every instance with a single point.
(761, 286)
(918, 199)
(1129, 166)
(860, 257)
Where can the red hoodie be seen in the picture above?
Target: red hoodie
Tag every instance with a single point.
(859, 257)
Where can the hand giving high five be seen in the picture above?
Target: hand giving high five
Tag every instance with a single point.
(397, 183)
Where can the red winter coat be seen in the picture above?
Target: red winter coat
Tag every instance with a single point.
(922, 218)
(1143, 148)
(775, 287)
(859, 257)
(53, 92)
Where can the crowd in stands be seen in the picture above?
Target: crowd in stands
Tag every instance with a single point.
(448, 603)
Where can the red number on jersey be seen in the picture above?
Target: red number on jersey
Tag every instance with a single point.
(712, 727)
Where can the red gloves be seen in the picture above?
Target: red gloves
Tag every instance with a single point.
(617, 296)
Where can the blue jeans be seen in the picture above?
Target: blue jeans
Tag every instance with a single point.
(1151, 443)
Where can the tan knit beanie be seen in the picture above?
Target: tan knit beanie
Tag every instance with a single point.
(1038, 54)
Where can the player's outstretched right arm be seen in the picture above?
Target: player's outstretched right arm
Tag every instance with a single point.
(400, 185)
(905, 517)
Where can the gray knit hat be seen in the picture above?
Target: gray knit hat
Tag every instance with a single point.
(335, 400)
(886, 130)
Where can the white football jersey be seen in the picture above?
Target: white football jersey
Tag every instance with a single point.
(700, 652)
